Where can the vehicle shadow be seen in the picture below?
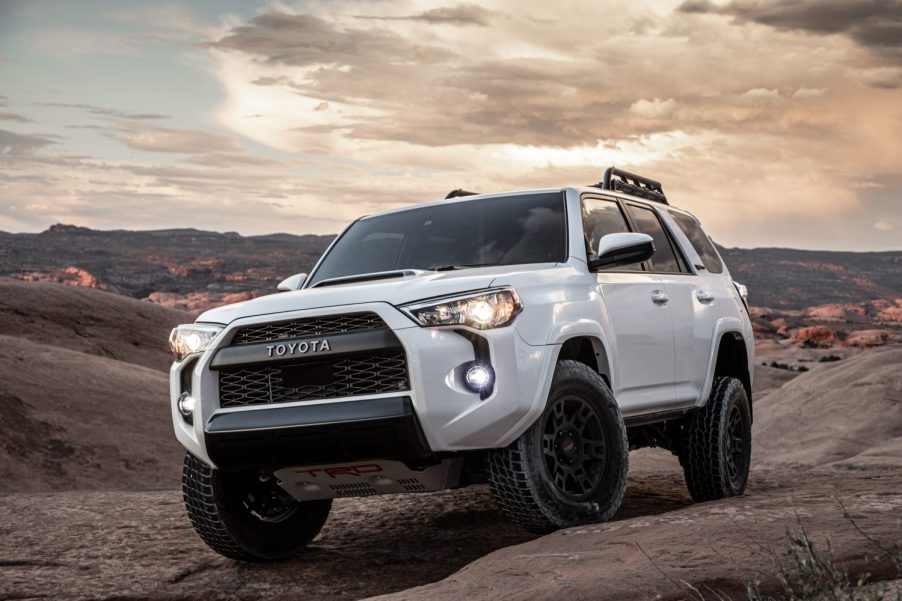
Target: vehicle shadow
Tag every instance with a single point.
(379, 545)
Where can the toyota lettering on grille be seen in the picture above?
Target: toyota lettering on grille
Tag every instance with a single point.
(297, 348)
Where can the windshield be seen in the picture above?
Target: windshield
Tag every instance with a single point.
(528, 228)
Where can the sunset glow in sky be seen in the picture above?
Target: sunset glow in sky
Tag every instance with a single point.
(777, 123)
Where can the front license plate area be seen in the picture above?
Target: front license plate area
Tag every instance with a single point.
(307, 374)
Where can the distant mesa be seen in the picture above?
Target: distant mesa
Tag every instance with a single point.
(65, 228)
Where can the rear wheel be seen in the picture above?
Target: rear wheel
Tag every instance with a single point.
(570, 467)
(717, 446)
(248, 517)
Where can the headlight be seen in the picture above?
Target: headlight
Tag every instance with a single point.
(188, 339)
(480, 310)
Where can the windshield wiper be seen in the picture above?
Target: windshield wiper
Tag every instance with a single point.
(453, 267)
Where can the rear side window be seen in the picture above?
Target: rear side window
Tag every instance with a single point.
(700, 242)
(602, 217)
(647, 222)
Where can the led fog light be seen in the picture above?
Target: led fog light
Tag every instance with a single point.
(186, 405)
(479, 377)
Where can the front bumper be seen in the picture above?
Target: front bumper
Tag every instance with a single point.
(277, 436)
(444, 415)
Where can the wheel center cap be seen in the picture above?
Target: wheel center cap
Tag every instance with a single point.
(568, 445)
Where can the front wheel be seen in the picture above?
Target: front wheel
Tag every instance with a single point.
(717, 447)
(246, 517)
(570, 467)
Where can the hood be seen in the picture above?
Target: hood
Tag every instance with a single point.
(396, 291)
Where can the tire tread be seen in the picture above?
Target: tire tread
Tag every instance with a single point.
(515, 488)
(702, 449)
(198, 486)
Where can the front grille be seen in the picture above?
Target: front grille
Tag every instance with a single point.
(310, 326)
(352, 375)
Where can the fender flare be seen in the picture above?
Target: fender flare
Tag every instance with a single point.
(605, 353)
(582, 328)
(724, 325)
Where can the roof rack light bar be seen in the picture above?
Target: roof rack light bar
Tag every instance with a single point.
(459, 192)
(630, 183)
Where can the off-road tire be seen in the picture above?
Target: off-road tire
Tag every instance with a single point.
(716, 452)
(216, 510)
(520, 476)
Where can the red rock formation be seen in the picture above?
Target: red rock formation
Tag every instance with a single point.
(819, 336)
(74, 276)
(888, 311)
(835, 312)
(869, 338)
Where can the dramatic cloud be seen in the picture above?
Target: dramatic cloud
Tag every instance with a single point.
(875, 24)
(775, 122)
(103, 111)
(175, 139)
(304, 40)
(654, 108)
(12, 143)
(459, 14)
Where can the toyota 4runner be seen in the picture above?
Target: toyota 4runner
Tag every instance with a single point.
(524, 339)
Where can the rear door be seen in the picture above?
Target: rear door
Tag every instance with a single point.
(635, 300)
(693, 284)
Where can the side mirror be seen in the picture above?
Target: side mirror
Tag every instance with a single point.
(622, 249)
(293, 283)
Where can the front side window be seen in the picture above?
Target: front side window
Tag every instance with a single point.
(512, 230)
(647, 222)
(700, 242)
(602, 217)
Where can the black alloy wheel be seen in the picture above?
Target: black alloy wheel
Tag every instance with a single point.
(267, 501)
(716, 449)
(735, 448)
(574, 447)
(248, 516)
(570, 466)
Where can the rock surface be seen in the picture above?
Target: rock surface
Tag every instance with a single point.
(67, 354)
(718, 546)
(84, 394)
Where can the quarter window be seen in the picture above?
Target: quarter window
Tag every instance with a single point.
(700, 242)
(647, 222)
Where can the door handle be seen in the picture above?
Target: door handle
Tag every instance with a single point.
(659, 297)
(704, 297)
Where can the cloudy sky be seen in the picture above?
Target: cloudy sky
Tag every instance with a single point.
(776, 122)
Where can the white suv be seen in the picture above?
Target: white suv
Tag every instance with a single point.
(527, 339)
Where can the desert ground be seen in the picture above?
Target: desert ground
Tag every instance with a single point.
(90, 506)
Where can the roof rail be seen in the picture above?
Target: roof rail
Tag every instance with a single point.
(637, 185)
(459, 192)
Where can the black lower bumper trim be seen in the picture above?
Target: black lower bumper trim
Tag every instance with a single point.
(319, 434)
